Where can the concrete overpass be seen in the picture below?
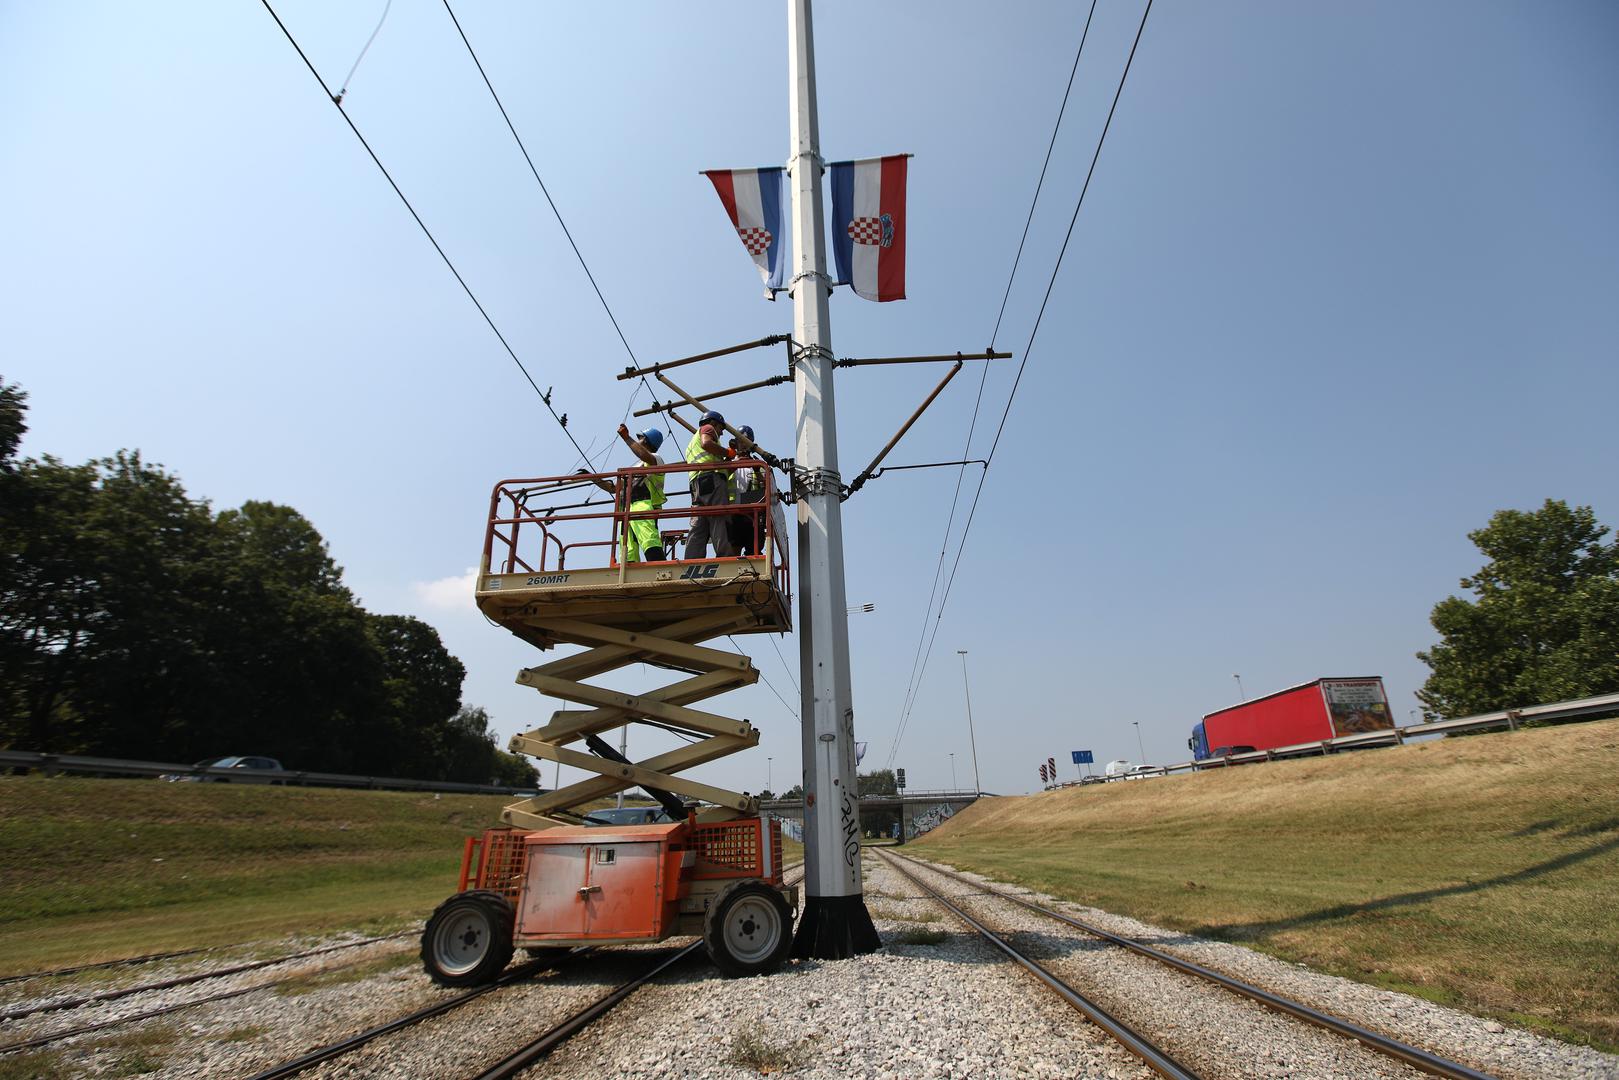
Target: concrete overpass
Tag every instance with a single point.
(919, 811)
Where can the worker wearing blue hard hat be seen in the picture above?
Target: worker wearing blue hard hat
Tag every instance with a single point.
(709, 487)
(747, 530)
(641, 537)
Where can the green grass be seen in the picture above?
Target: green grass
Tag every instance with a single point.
(921, 936)
(348, 973)
(763, 1055)
(1477, 872)
(42, 1065)
(101, 869)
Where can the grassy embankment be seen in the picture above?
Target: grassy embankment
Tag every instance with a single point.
(101, 869)
(1481, 872)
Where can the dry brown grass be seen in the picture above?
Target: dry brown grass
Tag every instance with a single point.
(1478, 871)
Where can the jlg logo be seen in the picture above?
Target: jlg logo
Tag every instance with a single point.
(694, 572)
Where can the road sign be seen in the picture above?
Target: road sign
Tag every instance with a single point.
(1083, 757)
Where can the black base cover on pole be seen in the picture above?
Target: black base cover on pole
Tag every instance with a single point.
(835, 928)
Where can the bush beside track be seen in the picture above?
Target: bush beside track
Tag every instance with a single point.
(1475, 872)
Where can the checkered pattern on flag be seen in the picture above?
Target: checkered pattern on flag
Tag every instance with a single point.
(868, 226)
(753, 199)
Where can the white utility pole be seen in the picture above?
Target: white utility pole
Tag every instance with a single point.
(966, 691)
(835, 923)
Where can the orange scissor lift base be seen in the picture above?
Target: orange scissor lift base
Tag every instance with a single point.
(544, 880)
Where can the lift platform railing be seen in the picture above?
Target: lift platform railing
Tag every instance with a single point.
(552, 523)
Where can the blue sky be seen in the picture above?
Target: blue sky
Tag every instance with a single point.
(1343, 286)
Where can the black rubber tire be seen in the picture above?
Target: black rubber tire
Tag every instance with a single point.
(468, 939)
(749, 929)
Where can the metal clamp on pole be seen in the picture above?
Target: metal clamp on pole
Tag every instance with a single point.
(821, 481)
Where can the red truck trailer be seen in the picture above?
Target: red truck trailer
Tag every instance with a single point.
(1316, 710)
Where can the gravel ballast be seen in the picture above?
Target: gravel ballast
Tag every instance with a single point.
(936, 1001)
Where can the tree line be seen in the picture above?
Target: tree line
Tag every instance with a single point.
(138, 622)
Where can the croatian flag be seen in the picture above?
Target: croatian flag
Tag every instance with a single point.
(753, 199)
(868, 226)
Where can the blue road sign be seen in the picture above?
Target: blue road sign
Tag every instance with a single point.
(1083, 757)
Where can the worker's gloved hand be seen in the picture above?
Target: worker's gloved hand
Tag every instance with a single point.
(624, 431)
(730, 453)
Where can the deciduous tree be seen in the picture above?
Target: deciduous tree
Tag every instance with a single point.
(1543, 622)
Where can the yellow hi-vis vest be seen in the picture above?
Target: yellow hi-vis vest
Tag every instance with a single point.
(696, 455)
(647, 489)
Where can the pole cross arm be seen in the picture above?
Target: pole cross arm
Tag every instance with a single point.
(987, 354)
(747, 444)
(633, 372)
(866, 474)
(774, 380)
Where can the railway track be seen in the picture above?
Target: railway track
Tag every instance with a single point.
(38, 1041)
(1154, 1057)
(128, 961)
(518, 1060)
(186, 980)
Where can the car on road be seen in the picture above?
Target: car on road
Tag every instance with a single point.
(1218, 757)
(1141, 772)
(248, 764)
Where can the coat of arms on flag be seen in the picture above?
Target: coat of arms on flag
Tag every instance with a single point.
(868, 225)
(753, 199)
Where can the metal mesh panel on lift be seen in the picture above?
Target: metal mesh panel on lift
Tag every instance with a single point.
(774, 873)
(727, 849)
(502, 869)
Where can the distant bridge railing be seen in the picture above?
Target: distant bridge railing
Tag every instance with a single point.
(904, 798)
(51, 764)
(1590, 708)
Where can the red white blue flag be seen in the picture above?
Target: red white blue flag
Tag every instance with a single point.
(753, 199)
(868, 226)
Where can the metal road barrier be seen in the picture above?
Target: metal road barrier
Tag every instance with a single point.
(52, 764)
(1591, 708)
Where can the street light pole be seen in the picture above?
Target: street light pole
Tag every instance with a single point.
(768, 763)
(1139, 744)
(1240, 691)
(978, 785)
(955, 785)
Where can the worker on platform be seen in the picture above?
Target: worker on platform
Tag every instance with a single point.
(709, 487)
(641, 539)
(748, 530)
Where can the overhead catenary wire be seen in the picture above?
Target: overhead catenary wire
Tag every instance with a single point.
(1027, 349)
(913, 684)
(534, 170)
(545, 396)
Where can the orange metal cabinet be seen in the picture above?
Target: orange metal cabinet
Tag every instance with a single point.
(600, 884)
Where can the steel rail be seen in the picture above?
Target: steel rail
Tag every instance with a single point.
(525, 1057)
(45, 1040)
(37, 1041)
(187, 980)
(1411, 1055)
(1155, 1059)
(315, 1057)
(129, 961)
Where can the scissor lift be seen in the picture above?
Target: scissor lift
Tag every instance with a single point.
(553, 574)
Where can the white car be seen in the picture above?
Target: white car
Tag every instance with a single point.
(1141, 772)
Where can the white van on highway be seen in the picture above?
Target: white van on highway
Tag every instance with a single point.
(1116, 769)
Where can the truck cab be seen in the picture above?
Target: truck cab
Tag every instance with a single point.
(1199, 742)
